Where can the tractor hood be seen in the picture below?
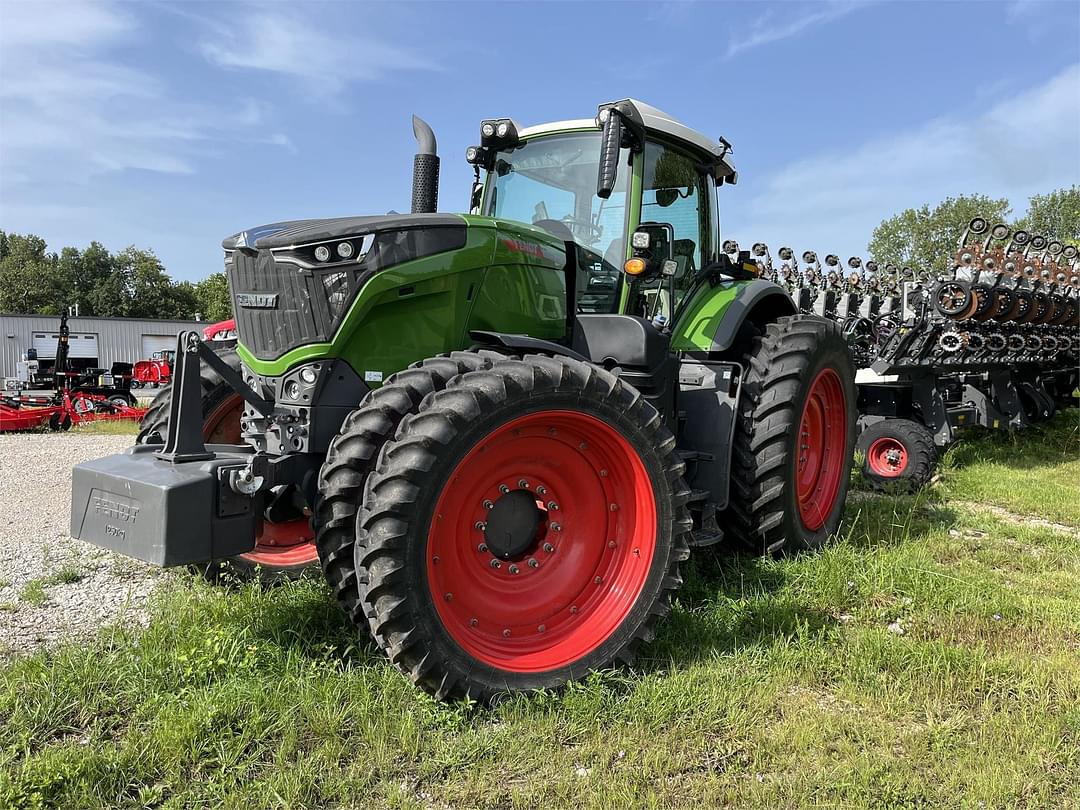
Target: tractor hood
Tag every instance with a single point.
(293, 282)
(299, 232)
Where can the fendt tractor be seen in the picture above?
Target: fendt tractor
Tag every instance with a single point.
(507, 427)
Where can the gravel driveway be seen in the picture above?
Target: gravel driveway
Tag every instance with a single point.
(53, 587)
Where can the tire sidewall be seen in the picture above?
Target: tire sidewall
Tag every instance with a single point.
(439, 642)
(830, 353)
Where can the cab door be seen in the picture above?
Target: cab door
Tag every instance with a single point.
(676, 192)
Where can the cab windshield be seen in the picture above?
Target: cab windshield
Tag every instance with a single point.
(550, 182)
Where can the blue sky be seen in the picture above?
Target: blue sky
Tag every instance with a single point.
(170, 125)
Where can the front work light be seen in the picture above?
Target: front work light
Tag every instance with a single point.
(640, 240)
(322, 253)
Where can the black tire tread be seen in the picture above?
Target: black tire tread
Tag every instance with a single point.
(775, 361)
(922, 454)
(352, 455)
(395, 485)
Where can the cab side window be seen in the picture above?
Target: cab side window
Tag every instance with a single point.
(674, 192)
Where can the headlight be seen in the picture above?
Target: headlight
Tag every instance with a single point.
(322, 253)
(307, 375)
(345, 250)
(292, 390)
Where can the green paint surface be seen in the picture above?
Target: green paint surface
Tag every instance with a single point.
(702, 314)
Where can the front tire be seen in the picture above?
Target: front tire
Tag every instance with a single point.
(352, 455)
(794, 436)
(524, 527)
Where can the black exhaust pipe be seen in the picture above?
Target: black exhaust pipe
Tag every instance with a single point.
(425, 176)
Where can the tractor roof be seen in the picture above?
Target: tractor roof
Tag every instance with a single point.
(656, 121)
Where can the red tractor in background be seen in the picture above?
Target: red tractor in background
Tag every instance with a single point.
(158, 370)
(154, 372)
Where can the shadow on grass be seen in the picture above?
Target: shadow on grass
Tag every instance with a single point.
(729, 601)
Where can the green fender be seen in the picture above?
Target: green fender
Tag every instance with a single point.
(711, 318)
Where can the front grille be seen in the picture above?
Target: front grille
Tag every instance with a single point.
(300, 314)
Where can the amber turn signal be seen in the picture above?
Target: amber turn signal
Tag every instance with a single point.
(634, 267)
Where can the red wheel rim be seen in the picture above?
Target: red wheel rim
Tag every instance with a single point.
(277, 544)
(822, 442)
(580, 576)
(887, 457)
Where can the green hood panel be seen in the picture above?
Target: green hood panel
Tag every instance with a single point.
(508, 277)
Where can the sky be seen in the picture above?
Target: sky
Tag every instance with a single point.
(171, 125)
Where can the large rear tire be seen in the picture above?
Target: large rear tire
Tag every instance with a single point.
(794, 436)
(283, 551)
(523, 528)
(352, 455)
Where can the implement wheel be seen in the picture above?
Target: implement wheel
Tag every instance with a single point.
(898, 455)
(523, 528)
(284, 550)
(794, 436)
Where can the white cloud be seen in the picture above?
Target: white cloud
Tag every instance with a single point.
(325, 60)
(71, 108)
(1023, 145)
(773, 26)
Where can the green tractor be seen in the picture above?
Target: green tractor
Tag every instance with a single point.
(498, 432)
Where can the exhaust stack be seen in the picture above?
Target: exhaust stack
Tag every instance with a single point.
(425, 183)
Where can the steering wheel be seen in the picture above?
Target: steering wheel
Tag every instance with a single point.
(583, 228)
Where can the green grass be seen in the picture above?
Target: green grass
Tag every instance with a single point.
(774, 683)
(108, 427)
(34, 592)
(1033, 473)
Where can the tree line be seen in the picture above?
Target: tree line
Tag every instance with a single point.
(925, 238)
(131, 283)
(134, 284)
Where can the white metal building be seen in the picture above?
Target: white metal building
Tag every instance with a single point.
(93, 343)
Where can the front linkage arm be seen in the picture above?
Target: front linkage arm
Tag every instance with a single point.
(185, 432)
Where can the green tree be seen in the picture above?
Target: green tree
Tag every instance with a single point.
(1055, 215)
(925, 239)
(28, 278)
(214, 301)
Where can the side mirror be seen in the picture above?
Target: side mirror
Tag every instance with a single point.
(476, 197)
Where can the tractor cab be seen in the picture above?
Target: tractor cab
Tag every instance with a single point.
(634, 189)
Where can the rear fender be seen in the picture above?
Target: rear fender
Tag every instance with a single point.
(710, 321)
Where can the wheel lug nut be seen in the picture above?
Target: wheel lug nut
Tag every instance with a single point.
(435, 560)
(611, 544)
(503, 488)
(541, 628)
(614, 507)
(583, 446)
(513, 569)
(552, 506)
(506, 633)
(473, 622)
(488, 505)
(573, 608)
(556, 527)
(548, 547)
(495, 563)
(533, 563)
(598, 580)
(482, 548)
(449, 597)
(603, 473)
(523, 484)
(480, 525)
(541, 490)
